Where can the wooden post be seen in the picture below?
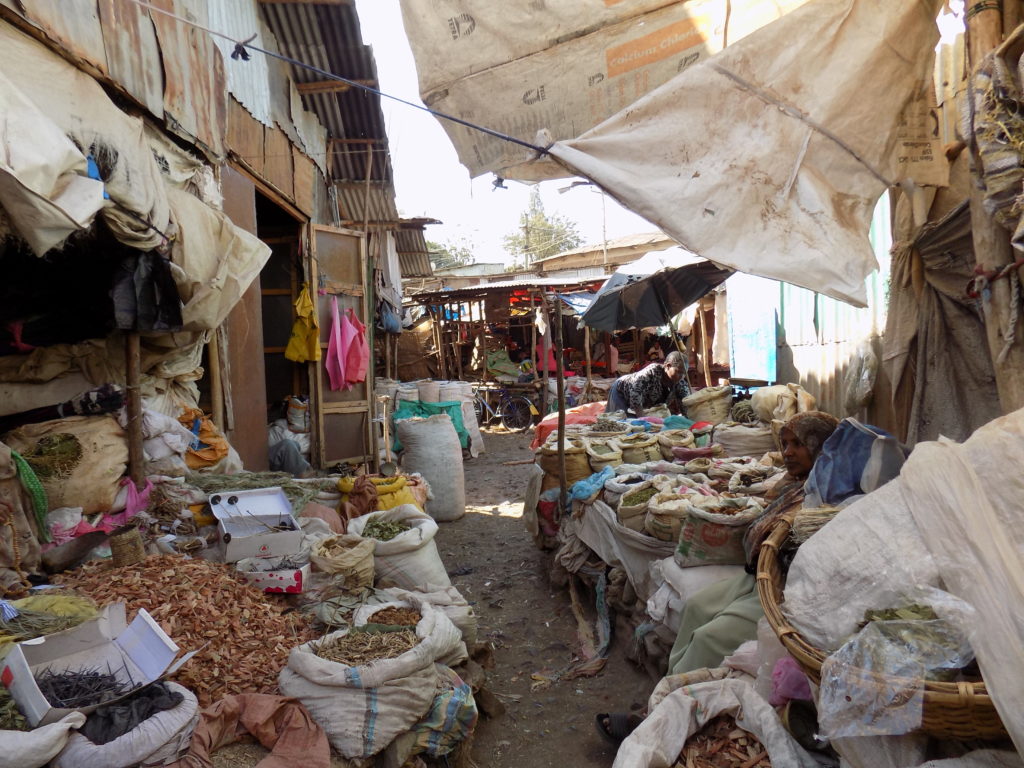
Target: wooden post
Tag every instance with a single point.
(992, 248)
(133, 407)
(556, 334)
(704, 345)
(216, 381)
(1012, 15)
(547, 373)
(586, 345)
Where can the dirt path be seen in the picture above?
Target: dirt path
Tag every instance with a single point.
(531, 626)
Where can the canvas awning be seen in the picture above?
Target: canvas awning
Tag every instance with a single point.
(767, 157)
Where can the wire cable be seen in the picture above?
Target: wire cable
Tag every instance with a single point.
(242, 48)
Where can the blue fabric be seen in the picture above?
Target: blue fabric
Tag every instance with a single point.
(675, 421)
(838, 469)
(588, 486)
(408, 409)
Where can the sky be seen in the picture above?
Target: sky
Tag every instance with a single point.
(430, 181)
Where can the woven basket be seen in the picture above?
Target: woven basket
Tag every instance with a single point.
(960, 711)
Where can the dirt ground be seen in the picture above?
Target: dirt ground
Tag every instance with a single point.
(494, 563)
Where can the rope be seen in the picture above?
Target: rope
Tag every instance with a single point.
(984, 5)
(983, 279)
(35, 490)
(241, 52)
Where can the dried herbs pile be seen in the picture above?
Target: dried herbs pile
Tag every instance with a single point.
(397, 617)
(358, 648)
(383, 530)
(636, 498)
(247, 636)
(721, 744)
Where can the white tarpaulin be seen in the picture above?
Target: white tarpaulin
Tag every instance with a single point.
(770, 156)
(43, 187)
(564, 66)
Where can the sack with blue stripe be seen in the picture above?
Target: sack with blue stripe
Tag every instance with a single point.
(363, 708)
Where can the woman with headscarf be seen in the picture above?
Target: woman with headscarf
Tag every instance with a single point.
(722, 616)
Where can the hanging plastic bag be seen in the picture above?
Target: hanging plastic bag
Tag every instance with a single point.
(304, 343)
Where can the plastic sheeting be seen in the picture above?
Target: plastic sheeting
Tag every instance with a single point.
(785, 187)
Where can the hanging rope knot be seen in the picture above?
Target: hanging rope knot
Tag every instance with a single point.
(984, 278)
(240, 52)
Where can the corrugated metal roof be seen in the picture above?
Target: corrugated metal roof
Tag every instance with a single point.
(503, 285)
(329, 37)
(629, 241)
(413, 256)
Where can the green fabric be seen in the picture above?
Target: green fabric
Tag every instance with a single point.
(34, 489)
(716, 621)
(409, 409)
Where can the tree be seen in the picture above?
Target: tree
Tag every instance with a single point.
(541, 235)
(449, 255)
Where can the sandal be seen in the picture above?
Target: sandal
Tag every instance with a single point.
(615, 727)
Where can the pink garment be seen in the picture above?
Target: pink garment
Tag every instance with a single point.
(358, 354)
(335, 360)
(552, 366)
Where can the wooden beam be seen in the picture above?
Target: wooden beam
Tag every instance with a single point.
(356, 141)
(330, 86)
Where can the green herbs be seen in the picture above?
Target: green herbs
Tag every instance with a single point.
(383, 530)
(637, 498)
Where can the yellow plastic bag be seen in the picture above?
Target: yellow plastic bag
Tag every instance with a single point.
(391, 491)
(304, 344)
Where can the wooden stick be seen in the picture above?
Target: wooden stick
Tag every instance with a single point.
(133, 406)
(563, 492)
(704, 346)
(216, 386)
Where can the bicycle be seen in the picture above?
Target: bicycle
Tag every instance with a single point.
(515, 412)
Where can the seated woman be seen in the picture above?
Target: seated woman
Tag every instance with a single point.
(723, 616)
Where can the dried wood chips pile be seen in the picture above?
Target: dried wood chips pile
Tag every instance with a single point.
(721, 744)
(199, 602)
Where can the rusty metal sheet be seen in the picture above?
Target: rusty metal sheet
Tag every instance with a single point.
(245, 136)
(75, 24)
(278, 161)
(133, 53)
(195, 86)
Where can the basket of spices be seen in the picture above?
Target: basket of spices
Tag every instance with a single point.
(961, 710)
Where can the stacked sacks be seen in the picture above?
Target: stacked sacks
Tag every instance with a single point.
(577, 466)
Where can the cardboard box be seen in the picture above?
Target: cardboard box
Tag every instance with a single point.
(139, 653)
(291, 581)
(255, 523)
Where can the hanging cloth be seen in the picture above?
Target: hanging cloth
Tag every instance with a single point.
(304, 344)
(358, 354)
(335, 362)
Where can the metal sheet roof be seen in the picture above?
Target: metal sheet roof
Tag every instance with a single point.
(501, 287)
(329, 37)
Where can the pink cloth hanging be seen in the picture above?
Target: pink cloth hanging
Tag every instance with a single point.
(359, 353)
(348, 336)
(335, 360)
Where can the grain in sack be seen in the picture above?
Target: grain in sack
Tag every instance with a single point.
(712, 533)
(577, 467)
(620, 484)
(632, 506)
(674, 438)
(602, 452)
(410, 559)
(432, 449)
(639, 449)
(665, 514)
(363, 708)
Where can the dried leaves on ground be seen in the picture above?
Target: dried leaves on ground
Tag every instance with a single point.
(244, 635)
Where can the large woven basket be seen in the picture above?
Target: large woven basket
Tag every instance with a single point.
(961, 711)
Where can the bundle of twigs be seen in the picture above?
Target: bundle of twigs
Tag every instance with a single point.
(356, 648)
(808, 522)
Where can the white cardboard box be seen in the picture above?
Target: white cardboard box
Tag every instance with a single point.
(292, 581)
(140, 652)
(255, 523)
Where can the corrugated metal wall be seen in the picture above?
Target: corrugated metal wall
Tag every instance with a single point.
(819, 338)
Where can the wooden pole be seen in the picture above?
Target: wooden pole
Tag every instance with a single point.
(556, 333)
(992, 248)
(1012, 15)
(133, 407)
(547, 373)
(586, 346)
(704, 345)
(216, 383)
